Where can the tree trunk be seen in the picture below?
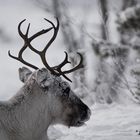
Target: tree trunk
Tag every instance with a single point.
(71, 41)
(104, 13)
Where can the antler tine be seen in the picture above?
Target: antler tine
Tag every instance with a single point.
(51, 22)
(80, 65)
(20, 58)
(19, 28)
(64, 62)
(27, 32)
(66, 78)
(54, 35)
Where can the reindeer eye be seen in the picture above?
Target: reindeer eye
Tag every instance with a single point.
(67, 90)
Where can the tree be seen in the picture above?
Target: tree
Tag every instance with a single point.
(104, 17)
(130, 29)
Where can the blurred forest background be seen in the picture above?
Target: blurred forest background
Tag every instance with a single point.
(106, 32)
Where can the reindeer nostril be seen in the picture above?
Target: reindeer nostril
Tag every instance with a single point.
(85, 114)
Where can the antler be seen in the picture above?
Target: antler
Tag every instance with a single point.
(59, 67)
(57, 70)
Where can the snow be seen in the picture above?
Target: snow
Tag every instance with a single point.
(108, 122)
(129, 13)
(116, 122)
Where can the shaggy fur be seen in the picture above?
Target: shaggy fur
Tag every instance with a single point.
(43, 100)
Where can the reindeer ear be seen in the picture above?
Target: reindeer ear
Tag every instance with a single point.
(24, 74)
(43, 78)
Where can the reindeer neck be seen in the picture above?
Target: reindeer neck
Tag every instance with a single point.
(28, 112)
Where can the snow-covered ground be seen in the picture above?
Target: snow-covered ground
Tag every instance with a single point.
(115, 122)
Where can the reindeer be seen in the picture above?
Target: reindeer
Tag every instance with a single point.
(45, 98)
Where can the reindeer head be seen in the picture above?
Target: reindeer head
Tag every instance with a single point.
(65, 107)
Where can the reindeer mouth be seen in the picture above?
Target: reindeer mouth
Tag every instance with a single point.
(79, 120)
(79, 123)
(76, 123)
